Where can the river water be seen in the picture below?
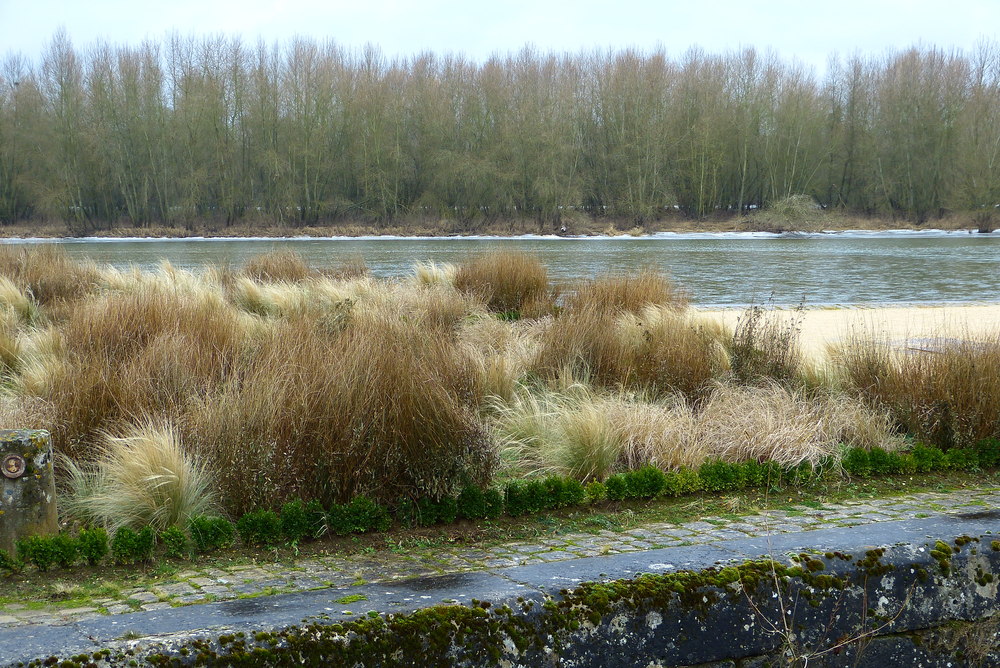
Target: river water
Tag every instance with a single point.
(724, 269)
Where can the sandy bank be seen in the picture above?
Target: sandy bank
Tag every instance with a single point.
(820, 327)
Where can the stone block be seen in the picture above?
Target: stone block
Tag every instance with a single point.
(27, 486)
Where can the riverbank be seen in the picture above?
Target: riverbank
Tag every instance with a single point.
(570, 225)
(908, 327)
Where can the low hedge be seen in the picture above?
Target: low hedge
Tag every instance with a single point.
(299, 520)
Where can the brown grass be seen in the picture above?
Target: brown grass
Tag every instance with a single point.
(947, 393)
(659, 351)
(506, 281)
(379, 409)
(278, 266)
(628, 293)
(47, 272)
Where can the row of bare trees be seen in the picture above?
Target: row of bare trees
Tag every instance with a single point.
(195, 129)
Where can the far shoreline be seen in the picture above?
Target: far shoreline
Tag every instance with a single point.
(576, 227)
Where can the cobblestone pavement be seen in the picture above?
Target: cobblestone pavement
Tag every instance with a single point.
(205, 584)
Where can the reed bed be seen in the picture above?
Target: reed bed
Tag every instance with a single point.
(279, 381)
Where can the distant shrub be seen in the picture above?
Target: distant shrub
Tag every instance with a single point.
(295, 521)
(573, 492)
(260, 528)
(339, 519)
(210, 533)
(8, 563)
(37, 551)
(93, 544)
(175, 542)
(682, 481)
(554, 490)
(961, 459)
(883, 462)
(517, 501)
(132, 547)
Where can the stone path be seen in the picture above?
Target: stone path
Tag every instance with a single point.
(204, 585)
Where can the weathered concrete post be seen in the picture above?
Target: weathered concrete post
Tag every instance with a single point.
(27, 486)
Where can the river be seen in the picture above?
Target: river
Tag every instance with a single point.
(721, 269)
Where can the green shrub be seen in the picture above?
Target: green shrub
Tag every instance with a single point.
(617, 487)
(366, 515)
(427, 512)
(407, 513)
(494, 503)
(8, 563)
(472, 503)
(646, 482)
(317, 518)
(66, 549)
(856, 462)
(93, 545)
(211, 533)
(573, 493)
(988, 450)
(907, 463)
(682, 481)
(516, 499)
(38, 551)
(131, 547)
(338, 518)
(596, 492)
(260, 528)
(295, 521)
(554, 487)
(928, 458)
(883, 462)
(962, 459)
(525, 497)
(175, 541)
(719, 476)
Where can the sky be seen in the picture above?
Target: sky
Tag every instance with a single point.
(808, 31)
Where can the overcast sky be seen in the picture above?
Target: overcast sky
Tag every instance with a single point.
(807, 30)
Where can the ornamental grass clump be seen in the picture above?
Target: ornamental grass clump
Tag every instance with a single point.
(381, 407)
(947, 393)
(509, 282)
(627, 293)
(142, 478)
(657, 350)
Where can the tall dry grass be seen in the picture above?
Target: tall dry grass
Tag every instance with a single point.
(47, 273)
(379, 409)
(947, 392)
(658, 350)
(629, 293)
(764, 347)
(507, 282)
(278, 267)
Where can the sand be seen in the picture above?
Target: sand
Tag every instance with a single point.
(904, 326)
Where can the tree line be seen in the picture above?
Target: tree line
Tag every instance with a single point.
(188, 129)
